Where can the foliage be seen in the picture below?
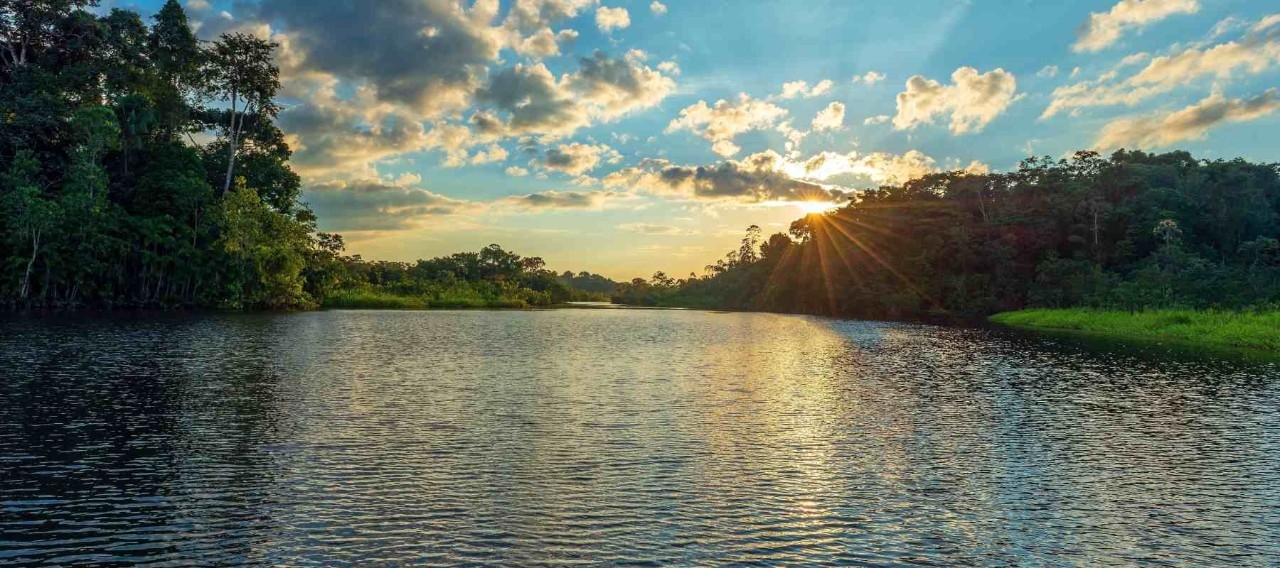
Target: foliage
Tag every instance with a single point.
(105, 198)
(490, 278)
(1254, 330)
(1128, 232)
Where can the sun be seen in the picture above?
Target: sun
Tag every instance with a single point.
(815, 207)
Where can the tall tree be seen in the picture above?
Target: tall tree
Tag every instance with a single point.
(243, 74)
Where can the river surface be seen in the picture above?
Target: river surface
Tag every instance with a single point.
(603, 437)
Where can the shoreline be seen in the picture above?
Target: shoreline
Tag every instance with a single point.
(1251, 331)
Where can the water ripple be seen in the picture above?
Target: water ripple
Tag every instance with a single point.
(622, 437)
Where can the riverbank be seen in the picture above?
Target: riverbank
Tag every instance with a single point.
(379, 300)
(1246, 330)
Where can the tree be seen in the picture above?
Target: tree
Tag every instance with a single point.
(242, 73)
(27, 212)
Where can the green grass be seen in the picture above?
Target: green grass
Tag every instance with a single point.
(1192, 327)
(381, 300)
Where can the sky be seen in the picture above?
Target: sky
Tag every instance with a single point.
(624, 137)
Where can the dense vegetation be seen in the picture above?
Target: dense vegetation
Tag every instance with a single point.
(1130, 232)
(491, 278)
(107, 194)
(1223, 328)
(140, 166)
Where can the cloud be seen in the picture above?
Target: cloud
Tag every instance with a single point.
(870, 78)
(654, 229)
(429, 56)
(544, 43)
(669, 67)
(972, 100)
(878, 119)
(533, 101)
(1191, 123)
(724, 121)
(616, 87)
(1254, 54)
(609, 19)
(830, 118)
(658, 8)
(1106, 28)
(517, 171)
(1049, 71)
(796, 89)
(494, 153)
(373, 204)
(577, 159)
(562, 200)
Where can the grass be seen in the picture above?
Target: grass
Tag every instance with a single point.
(1192, 327)
(382, 300)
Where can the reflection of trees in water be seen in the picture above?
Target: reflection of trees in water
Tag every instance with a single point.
(144, 437)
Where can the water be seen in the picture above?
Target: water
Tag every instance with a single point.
(622, 436)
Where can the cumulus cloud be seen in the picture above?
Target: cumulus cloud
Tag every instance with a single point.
(725, 120)
(830, 118)
(609, 19)
(427, 55)
(870, 78)
(1106, 28)
(795, 89)
(878, 119)
(1254, 54)
(658, 8)
(577, 159)
(517, 171)
(494, 153)
(972, 100)
(1193, 122)
(372, 204)
(616, 87)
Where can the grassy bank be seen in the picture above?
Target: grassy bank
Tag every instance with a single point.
(1214, 328)
(382, 300)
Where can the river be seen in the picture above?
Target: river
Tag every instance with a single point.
(594, 437)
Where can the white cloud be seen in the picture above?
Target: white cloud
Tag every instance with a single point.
(1048, 71)
(494, 153)
(517, 171)
(972, 100)
(577, 159)
(830, 118)
(878, 119)
(1191, 123)
(658, 8)
(870, 78)
(1252, 55)
(609, 19)
(724, 121)
(796, 89)
(670, 67)
(1106, 28)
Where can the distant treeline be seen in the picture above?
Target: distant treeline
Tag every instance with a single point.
(492, 277)
(1132, 231)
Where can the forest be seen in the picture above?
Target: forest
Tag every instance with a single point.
(1132, 231)
(142, 167)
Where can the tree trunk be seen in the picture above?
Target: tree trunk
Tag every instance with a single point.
(232, 135)
(35, 250)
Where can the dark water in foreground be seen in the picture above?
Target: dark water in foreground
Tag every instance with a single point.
(622, 436)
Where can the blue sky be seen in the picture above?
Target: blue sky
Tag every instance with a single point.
(624, 137)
